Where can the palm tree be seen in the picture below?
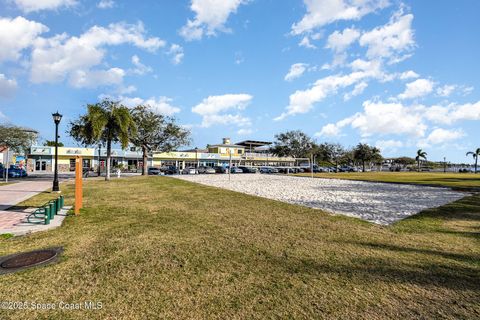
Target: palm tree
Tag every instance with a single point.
(420, 155)
(475, 155)
(105, 122)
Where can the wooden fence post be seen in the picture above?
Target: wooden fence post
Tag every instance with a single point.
(78, 184)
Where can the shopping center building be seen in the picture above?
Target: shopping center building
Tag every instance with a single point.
(245, 153)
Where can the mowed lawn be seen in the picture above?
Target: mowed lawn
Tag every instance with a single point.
(158, 247)
(454, 180)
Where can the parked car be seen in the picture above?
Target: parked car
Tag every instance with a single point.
(281, 169)
(346, 169)
(206, 170)
(169, 170)
(13, 172)
(189, 170)
(236, 170)
(268, 170)
(248, 169)
(220, 169)
(154, 171)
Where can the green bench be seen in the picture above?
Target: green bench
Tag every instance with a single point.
(47, 212)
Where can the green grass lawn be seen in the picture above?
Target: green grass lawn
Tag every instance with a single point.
(158, 247)
(454, 180)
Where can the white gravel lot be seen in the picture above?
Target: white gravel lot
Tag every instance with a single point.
(381, 203)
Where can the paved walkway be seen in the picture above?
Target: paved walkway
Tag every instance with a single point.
(12, 194)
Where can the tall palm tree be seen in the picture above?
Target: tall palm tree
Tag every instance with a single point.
(420, 155)
(104, 122)
(475, 155)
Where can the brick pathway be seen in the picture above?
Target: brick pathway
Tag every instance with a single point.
(15, 193)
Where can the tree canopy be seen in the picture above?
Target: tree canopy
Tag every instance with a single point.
(156, 132)
(50, 143)
(365, 153)
(105, 122)
(17, 138)
(293, 144)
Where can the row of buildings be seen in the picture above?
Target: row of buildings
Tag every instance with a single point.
(248, 153)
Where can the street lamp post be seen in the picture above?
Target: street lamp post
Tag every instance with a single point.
(99, 155)
(57, 117)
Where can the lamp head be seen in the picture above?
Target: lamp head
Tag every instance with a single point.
(57, 117)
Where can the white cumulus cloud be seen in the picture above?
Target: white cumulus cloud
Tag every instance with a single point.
(62, 56)
(339, 41)
(210, 18)
(140, 68)
(383, 119)
(417, 89)
(439, 135)
(96, 78)
(446, 90)
(410, 74)
(16, 35)
(161, 105)
(390, 40)
(388, 145)
(106, 4)
(323, 12)
(223, 109)
(176, 52)
(453, 113)
(302, 101)
(38, 5)
(296, 71)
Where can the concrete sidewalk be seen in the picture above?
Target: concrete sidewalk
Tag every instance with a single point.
(12, 194)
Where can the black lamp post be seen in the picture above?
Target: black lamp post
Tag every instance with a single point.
(99, 152)
(57, 117)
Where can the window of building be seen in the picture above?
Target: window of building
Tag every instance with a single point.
(72, 164)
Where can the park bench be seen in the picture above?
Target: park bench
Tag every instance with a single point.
(46, 212)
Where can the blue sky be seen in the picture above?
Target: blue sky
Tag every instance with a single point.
(400, 75)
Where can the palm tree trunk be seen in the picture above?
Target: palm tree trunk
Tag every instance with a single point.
(363, 165)
(109, 157)
(418, 161)
(476, 161)
(145, 159)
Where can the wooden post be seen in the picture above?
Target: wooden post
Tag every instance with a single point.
(78, 184)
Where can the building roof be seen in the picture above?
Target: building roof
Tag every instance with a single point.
(226, 145)
(199, 150)
(253, 143)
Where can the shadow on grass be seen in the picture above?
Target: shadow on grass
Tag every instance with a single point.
(394, 248)
(372, 270)
(467, 208)
(472, 234)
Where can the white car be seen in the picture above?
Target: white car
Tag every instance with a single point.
(189, 170)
